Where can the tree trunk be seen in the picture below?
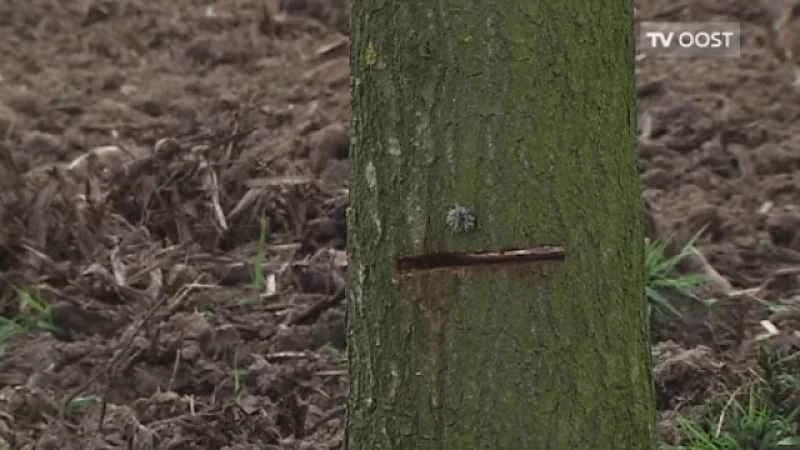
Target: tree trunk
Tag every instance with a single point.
(488, 127)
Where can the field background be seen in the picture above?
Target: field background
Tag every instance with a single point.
(174, 185)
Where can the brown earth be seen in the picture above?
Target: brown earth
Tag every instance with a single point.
(142, 142)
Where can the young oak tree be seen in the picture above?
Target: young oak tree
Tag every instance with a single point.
(496, 281)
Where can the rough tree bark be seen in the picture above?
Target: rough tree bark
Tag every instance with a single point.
(493, 126)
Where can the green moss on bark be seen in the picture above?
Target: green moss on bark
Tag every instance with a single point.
(524, 113)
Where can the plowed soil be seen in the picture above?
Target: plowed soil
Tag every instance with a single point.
(148, 148)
